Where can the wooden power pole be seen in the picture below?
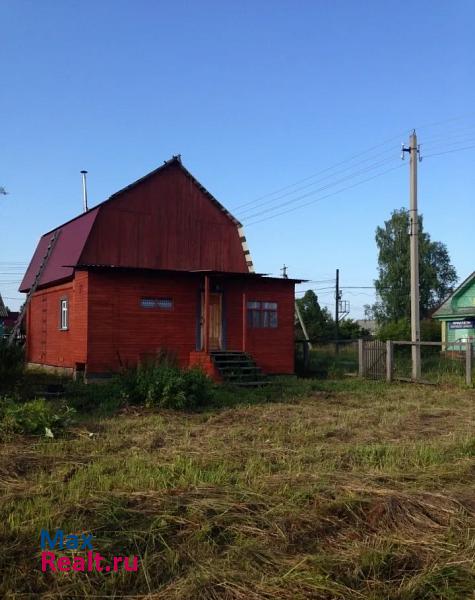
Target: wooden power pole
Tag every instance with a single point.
(413, 150)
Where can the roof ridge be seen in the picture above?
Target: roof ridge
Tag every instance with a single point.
(175, 159)
(439, 310)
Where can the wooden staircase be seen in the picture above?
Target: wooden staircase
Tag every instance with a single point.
(238, 368)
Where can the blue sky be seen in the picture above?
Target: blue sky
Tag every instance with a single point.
(255, 96)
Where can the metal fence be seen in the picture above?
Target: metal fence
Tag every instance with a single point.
(440, 362)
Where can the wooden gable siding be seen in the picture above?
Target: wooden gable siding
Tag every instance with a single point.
(272, 349)
(165, 222)
(46, 343)
(121, 332)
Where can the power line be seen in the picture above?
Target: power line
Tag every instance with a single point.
(449, 151)
(354, 156)
(289, 193)
(436, 123)
(349, 159)
(336, 192)
(324, 197)
(325, 187)
(451, 134)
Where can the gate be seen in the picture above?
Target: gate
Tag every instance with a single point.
(373, 359)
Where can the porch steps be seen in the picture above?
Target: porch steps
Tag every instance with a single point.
(238, 368)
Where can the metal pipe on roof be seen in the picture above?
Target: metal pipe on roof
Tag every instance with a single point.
(84, 191)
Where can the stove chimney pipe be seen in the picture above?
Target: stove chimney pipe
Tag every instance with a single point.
(84, 191)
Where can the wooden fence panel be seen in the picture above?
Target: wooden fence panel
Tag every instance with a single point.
(374, 359)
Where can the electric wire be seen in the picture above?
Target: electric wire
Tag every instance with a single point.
(322, 188)
(270, 210)
(348, 187)
(313, 183)
(325, 170)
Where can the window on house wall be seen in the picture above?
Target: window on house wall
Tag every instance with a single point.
(262, 314)
(64, 313)
(161, 303)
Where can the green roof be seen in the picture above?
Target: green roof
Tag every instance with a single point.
(460, 303)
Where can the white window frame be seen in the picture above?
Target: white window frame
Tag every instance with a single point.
(64, 314)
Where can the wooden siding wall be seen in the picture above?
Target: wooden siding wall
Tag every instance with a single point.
(121, 332)
(165, 222)
(272, 349)
(46, 342)
(108, 328)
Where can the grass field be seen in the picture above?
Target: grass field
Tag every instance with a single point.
(355, 490)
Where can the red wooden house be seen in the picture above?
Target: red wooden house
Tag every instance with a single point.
(160, 265)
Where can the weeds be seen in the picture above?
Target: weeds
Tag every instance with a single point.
(11, 363)
(35, 417)
(163, 384)
(334, 490)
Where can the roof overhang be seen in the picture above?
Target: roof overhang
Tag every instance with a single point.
(211, 273)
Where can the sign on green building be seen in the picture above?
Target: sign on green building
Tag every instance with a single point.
(457, 315)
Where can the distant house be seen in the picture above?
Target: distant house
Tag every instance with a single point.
(7, 318)
(370, 325)
(457, 314)
(159, 265)
(3, 316)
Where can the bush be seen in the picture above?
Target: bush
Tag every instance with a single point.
(163, 384)
(35, 417)
(99, 398)
(11, 362)
(401, 330)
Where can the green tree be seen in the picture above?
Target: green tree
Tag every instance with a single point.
(437, 275)
(320, 324)
(350, 330)
(317, 320)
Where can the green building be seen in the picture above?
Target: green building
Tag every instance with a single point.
(457, 315)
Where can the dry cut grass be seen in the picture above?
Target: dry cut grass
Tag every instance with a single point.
(358, 491)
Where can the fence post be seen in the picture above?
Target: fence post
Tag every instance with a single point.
(468, 363)
(361, 366)
(389, 360)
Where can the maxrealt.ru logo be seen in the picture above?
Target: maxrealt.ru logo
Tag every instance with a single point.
(91, 561)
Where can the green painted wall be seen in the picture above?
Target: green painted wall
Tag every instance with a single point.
(466, 299)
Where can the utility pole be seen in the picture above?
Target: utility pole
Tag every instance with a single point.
(284, 272)
(413, 150)
(337, 308)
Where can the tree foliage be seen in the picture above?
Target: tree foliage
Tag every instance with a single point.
(320, 324)
(437, 275)
(401, 330)
(317, 320)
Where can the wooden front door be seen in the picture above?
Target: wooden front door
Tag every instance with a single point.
(215, 321)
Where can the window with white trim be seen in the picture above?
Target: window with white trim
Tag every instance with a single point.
(262, 314)
(64, 313)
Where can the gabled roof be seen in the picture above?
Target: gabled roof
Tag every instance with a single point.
(75, 232)
(67, 250)
(447, 308)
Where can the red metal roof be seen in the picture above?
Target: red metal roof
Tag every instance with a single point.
(74, 234)
(66, 251)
